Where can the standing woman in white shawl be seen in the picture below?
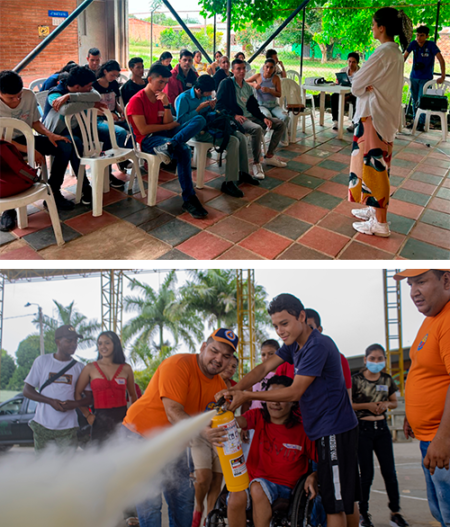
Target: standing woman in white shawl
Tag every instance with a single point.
(378, 86)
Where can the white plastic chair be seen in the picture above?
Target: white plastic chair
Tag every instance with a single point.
(428, 113)
(153, 164)
(308, 97)
(294, 75)
(41, 98)
(291, 94)
(92, 150)
(250, 73)
(36, 84)
(38, 191)
(122, 79)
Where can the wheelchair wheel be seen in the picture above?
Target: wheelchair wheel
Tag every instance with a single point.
(216, 518)
(301, 506)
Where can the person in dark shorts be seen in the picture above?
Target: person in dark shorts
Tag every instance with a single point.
(328, 417)
(373, 394)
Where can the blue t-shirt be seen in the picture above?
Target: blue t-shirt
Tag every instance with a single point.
(423, 63)
(325, 406)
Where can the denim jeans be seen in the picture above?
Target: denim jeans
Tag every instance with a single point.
(182, 153)
(374, 436)
(103, 134)
(438, 490)
(179, 494)
(416, 93)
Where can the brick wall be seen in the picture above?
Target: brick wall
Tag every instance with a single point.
(19, 21)
(140, 30)
(443, 44)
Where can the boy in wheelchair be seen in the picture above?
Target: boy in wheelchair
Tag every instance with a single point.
(279, 456)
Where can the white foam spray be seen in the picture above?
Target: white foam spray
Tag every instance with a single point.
(90, 488)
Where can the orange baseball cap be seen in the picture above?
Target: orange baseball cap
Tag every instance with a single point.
(409, 273)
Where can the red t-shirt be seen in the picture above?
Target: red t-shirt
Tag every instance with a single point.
(233, 383)
(288, 370)
(140, 105)
(278, 454)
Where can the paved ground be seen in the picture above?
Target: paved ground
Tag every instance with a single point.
(298, 213)
(411, 482)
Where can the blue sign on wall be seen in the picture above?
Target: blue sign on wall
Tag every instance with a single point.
(58, 14)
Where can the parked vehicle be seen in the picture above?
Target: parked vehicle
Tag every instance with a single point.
(14, 417)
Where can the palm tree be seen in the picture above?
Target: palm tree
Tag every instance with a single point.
(212, 294)
(159, 312)
(69, 315)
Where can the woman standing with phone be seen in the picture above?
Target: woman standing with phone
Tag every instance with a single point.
(373, 393)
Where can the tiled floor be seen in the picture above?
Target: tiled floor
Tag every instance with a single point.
(299, 212)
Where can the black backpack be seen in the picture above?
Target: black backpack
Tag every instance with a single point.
(220, 127)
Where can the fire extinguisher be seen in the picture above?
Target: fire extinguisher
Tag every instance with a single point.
(231, 456)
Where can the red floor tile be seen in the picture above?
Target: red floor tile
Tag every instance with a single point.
(306, 212)
(165, 176)
(332, 148)
(335, 189)
(432, 169)
(442, 161)
(292, 191)
(446, 183)
(338, 223)
(431, 234)
(209, 175)
(265, 243)
(207, 193)
(86, 223)
(214, 216)
(400, 171)
(324, 241)
(345, 208)
(233, 229)
(417, 158)
(204, 246)
(322, 173)
(441, 205)
(308, 160)
(419, 186)
(252, 192)
(163, 194)
(255, 213)
(36, 222)
(402, 208)
(239, 253)
(282, 173)
(340, 158)
(359, 251)
(112, 197)
(390, 245)
(24, 253)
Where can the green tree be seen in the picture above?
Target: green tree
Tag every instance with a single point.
(8, 366)
(169, 38)
(71, 316)
(212, 294)
(160, 312)
(26, 353)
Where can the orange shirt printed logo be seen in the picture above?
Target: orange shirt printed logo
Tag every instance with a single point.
(422, 342)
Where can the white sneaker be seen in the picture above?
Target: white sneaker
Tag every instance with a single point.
(274, 162)
(372, 227)
(364, 214)
(284, 143)
(335, 125)
(258, 172)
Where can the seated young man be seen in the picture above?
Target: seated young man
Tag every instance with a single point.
(197, 101)
(235, 96)
(156, 131)
(136, 82)
(267, 86)
(222, 72)
(279, 456)
(72, 95)
(93, 59)
(20, 103)
(183, 76)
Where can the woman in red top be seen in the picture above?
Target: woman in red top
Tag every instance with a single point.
(110, 377)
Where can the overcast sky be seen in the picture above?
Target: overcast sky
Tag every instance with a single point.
(142, 6)
(350, 303)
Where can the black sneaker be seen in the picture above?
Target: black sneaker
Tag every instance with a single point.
(86, 198)
(8, 220)
(244, 177)
(124, 166)
(62, 203)
(164, 152)
(420, 127)
(365, 520)
(397, 520)
(230, 188)
(115, 182)
(195, 208)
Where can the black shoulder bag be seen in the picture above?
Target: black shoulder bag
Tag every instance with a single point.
(56, 376)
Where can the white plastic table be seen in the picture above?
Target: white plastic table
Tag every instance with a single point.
(329, 88)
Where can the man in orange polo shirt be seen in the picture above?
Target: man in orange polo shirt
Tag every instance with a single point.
(427, 393)
(183, 385)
